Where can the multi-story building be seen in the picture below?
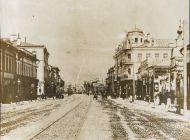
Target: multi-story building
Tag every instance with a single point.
(135, 48)
(7, 71)
(18, 73)
(110, 81)
(42, 55)
(26, 75)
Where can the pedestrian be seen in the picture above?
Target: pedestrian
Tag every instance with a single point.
(157, 98)
(172, 97)
(165, 97)
(31, 95)
(95, 96)
(40, 93)
(17, 99)
(168, 101)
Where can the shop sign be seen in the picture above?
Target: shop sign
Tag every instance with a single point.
(161, 71)
(9, 75)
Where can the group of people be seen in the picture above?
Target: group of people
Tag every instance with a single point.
(102, 93)
(166, 97)
(95, 94)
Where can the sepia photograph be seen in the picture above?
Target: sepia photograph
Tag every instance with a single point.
(94, 70)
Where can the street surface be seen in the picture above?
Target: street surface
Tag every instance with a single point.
(79, 117)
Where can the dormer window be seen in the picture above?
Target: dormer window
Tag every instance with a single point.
(129, 56)
(141, 40)
(136, 39)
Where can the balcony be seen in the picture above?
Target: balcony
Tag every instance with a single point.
(127, 62)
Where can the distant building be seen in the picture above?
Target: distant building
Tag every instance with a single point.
(110, 81)
(54, 81)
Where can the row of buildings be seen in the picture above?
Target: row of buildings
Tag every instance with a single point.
(24, 71)
(146, 66)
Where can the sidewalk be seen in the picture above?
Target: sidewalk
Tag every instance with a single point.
(12, 107)
(146, 106)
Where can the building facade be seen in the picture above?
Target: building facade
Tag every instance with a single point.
(110, 82)
(8, 71)
(18, 73)
(54, 81)
(26, 75)
(43, 68)
(136, 48)
(177, 70)
(153, 79)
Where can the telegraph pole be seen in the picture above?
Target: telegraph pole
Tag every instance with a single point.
(185, 42)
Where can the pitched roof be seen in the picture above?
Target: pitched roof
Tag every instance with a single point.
(163, 42)
(26, 44)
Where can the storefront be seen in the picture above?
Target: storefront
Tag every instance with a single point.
(8, 70)
(158, 80)
(9, 89)
(126, 86)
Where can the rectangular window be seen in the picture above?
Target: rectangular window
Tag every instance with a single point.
(24, 70)
(129, 56)
(17, 68)
(13, 61)
(165, 55)
(0, 61)
(10, 63)
(139, 56)
(156, 56)
(29, 70)
(7, 63)
(136, 39)
(9, 68)
(147, 55)
(20, 68)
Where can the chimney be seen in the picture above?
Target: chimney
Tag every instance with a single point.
(18, 39)
(25, 39)
(148, 36)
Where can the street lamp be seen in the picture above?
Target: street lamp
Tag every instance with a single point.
(18, 83)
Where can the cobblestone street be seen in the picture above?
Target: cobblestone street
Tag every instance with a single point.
(80, 117)
(128, 122)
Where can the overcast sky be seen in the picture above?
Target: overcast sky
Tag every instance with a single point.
(81, 35)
